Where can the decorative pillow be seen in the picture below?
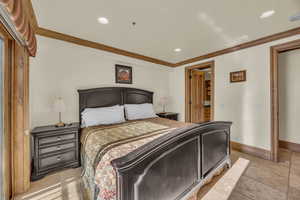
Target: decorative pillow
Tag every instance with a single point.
(102, 116)
(139, 111)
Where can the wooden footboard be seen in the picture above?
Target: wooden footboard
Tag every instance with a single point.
(173, 166)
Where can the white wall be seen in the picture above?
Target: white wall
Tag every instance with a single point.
(246, 104)
(60, 68)
(289, 96)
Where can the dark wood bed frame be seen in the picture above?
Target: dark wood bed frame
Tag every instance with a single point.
(171, 167)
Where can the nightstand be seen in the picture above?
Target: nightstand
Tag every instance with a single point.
(168, 115)
(54, 148)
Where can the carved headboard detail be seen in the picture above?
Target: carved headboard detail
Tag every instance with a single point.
(110, 96)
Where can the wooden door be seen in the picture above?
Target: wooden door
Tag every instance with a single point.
(197, 96)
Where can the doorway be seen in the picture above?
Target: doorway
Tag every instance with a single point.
(289, 98)
(275, 51)
(199, 92)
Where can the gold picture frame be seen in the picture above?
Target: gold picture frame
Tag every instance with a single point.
(238, 76)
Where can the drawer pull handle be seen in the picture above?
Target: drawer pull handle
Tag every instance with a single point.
(58, 147)
(58, 138)
(58, 158)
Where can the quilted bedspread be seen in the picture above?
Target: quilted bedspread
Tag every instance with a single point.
(102, 144)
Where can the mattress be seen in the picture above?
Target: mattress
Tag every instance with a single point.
(102, 144)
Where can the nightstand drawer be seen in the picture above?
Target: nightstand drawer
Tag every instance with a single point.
(172, 117)
(168, 115)
(54, 148)
(57, 160)
(58, 147)
(58, 138)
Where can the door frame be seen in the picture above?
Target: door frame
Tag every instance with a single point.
(6, 106)
(274, 52)
(209, 64)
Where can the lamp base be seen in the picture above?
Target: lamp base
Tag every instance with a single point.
(60, 124)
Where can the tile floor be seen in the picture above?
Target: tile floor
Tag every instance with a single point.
(263, 180)
(266, 180)
(64, 185)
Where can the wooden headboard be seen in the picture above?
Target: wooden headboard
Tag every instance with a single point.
(110, 96)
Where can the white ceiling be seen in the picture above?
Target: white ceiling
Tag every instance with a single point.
(196, 26)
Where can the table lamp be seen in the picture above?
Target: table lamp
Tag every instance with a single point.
(164, 101)
(59, 106)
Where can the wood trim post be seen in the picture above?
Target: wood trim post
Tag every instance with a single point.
(20, 138)
(212, 111)
(274, 104)
(6, 71)
(187, 95)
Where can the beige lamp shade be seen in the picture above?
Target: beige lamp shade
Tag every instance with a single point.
(59, 105)
(164, 101)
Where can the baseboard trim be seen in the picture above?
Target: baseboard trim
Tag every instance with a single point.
(254, 151)
(289, 145)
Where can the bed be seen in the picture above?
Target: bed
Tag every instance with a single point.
(149, 159)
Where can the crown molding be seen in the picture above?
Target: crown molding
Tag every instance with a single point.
(245, 45)
(68, 38)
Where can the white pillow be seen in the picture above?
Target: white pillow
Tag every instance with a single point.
(139, 111)
(92, 109)
(102, 116)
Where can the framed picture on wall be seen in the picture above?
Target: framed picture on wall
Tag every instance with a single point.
(123, 74)
(238, 76)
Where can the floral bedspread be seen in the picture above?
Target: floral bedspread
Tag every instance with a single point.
(101, 145)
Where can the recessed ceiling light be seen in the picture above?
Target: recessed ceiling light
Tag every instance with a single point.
(103, 20)
(267, 14)
(177, 50)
